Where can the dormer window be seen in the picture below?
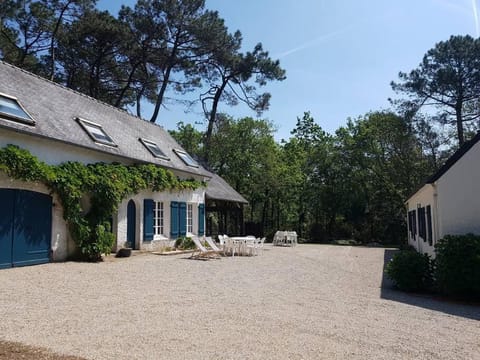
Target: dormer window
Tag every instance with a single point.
(154, 149)
(187, 159)
(96, 132)
(11, 109)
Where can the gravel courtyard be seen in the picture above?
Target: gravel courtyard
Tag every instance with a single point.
(307, 302)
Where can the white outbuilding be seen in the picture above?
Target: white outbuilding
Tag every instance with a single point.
(449, 202)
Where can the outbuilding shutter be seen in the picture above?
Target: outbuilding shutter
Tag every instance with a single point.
(148, 219)
(414, 223)
(201, 219)
(182, 218)
(174, 231)
(421, 224)
(429, 225)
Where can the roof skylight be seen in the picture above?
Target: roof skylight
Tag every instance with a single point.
(154, 149)
(12, 110)
(96, 132)
(187, 159)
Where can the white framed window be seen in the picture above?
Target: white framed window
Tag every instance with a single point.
(96, 132)
(154, 149)
(158, 216)
(186, 158)
(11, 109)
(189, 218)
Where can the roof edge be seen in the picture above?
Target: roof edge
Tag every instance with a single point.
(454, 158)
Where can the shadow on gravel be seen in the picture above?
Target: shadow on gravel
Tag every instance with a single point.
(427, 301)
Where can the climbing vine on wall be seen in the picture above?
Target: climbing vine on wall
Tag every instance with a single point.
(105, 185)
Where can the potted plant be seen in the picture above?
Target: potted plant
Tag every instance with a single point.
(125, 251)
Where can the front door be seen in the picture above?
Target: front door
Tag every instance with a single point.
(131, 223)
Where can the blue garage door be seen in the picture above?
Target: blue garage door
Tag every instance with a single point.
(25, 227)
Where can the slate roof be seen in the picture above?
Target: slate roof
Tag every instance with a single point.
(55, 108)
(219, 189)
(454, 158)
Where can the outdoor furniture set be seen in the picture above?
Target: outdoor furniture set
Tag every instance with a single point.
(229, 246)
(285, 238)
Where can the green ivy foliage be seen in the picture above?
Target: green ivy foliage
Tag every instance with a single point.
(106, 185)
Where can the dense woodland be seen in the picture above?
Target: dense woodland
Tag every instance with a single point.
(350, 184)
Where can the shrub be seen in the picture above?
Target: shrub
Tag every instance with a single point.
(185, 243)
(411, 271)
(458, 265)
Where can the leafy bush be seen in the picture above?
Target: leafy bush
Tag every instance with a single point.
(411, 271)
(185, 243)
(458, 265)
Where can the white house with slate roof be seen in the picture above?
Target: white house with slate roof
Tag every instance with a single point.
(57, 125)
(449, 202)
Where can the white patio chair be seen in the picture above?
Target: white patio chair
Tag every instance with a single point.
(221, 241)
(260, 244)
(229, 247)
(275, 238)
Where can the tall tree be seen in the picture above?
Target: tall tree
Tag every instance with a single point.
(174, 35)
(229, 75)
(91, 55)
(386, 164)
(29, 30)
(448, 78)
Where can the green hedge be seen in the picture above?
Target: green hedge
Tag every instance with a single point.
(458, 265)
(411, 271)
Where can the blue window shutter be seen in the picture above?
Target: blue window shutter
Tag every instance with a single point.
(201, 219)
(182, 218)
(174, 220)
(148, 220)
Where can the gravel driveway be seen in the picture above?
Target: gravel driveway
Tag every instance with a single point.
(307, 302)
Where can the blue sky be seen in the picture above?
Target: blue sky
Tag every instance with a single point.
(340, 56)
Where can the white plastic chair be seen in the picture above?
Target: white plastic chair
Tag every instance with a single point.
(229, 246)
(260, 244)
(222, 241)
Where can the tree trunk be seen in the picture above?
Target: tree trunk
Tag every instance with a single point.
(161, 94)
(458, 114)
(127, 85)
(139, 105)
(213, 116)
(52, 41)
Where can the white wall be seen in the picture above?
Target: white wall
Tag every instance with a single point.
(54, 152)
(194, 197)
(459, 197)
(423, 197)
(61, 244)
